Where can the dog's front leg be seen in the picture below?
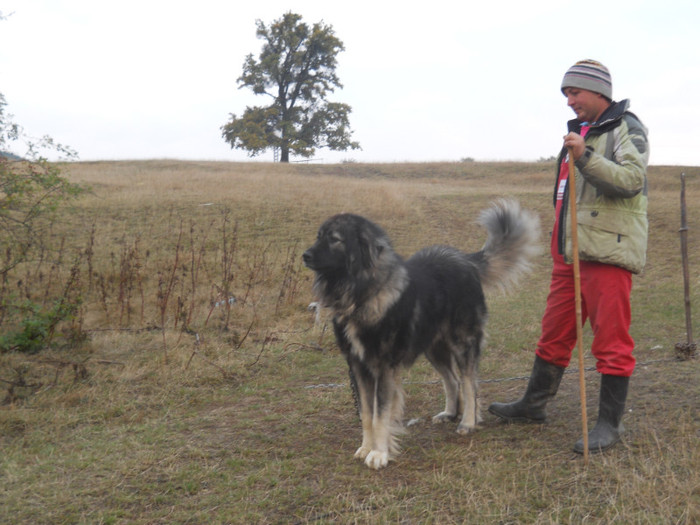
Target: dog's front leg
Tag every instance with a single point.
(378, 457)
(386, 419)
(367, 434)
(365, 387)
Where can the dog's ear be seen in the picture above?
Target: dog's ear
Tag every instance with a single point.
(365, 245)
(358, 249)
(370, 247)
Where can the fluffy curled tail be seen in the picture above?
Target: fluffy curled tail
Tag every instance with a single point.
(511, 245)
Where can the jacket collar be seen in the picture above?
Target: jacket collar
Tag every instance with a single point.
(610, 117)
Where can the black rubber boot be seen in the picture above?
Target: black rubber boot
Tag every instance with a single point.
(543, 385)
(607, 431)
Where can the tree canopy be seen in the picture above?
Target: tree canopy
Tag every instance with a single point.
(296, 69)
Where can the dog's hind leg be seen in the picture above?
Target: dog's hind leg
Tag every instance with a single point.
(443, 362)
(469, 390)
(470, 414)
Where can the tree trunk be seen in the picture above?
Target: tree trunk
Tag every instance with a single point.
(284, 157)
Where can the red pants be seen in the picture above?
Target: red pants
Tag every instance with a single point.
(605, 301)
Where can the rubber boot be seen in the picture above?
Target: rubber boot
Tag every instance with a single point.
(542, 386)
(607, 431)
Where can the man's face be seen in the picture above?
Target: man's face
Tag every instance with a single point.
(587, 105)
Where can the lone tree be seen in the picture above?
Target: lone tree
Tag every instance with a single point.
(296, 69)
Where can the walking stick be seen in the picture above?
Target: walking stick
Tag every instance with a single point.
(577, 294)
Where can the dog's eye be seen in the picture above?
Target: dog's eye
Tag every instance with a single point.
(335, 239)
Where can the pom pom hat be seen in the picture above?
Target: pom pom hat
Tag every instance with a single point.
(589, 75)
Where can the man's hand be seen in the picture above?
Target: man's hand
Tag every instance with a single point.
(575, 142)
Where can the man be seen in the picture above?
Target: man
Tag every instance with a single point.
(610, 150)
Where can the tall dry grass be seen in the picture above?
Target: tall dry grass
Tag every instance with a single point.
(182, 404)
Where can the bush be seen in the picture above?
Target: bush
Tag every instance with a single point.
(32, 190)
(37, 327)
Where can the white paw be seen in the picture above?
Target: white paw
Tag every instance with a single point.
(443, 417)
(362, 452)
(376, 459)
(464, 429)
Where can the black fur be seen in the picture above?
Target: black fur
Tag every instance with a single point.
(387, 312)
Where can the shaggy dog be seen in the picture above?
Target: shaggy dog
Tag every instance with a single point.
(387, 311)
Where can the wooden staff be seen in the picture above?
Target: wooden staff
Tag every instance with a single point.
(577, 294)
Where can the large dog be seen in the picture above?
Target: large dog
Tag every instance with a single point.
(387, 311)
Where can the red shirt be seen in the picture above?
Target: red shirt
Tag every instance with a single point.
(561, 187)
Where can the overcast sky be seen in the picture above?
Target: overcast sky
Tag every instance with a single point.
(430, 81)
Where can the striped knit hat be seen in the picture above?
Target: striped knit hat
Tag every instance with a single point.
(590, 75)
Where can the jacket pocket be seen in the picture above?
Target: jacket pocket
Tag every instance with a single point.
(612, 237)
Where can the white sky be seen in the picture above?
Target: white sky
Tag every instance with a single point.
(440, 81)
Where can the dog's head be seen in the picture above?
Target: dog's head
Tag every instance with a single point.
(346, 245)
(357, 271)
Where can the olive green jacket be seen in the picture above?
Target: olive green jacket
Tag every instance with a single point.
(611, 192)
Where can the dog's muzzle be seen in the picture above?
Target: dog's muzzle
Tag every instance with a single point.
(308, 258)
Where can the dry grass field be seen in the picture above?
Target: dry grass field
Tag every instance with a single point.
(193, 385)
